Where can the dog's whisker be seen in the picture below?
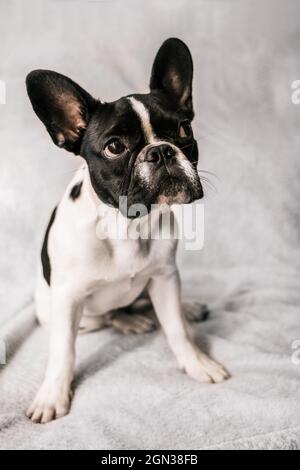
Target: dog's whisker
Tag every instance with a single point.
(199, 170)
(207, 188)
(187, 145)
(209, 183)
(208, 173)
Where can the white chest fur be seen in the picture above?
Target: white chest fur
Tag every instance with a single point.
(92, 251)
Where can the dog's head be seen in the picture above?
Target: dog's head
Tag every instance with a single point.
(140, 146)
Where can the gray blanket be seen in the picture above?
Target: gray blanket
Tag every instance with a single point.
(129, 393)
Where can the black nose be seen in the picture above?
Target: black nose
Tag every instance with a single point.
(157, 153)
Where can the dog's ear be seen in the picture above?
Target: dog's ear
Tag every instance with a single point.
(172, 72)
(62, 105)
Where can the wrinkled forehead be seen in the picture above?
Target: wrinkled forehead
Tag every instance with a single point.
(136, 116)
(156, 116)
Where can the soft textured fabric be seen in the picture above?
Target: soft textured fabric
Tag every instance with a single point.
(129, 392)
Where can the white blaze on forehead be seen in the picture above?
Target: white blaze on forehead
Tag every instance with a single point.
(143, 114)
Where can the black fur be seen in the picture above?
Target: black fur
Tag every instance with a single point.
(44, 254)
(75, 191)
(172, 73)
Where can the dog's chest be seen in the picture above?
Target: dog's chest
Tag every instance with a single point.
(129, 259)
(121, 275)
(121, 263)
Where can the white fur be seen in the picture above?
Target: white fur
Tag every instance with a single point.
(90, 277)
(143, 114)
(144, 172)
(187, 168)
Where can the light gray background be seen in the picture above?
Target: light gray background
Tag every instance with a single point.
(246, 55)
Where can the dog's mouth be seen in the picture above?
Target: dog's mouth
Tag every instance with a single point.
(169, 189)
(166, 181)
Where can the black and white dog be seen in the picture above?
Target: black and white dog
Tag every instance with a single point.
(141, 147)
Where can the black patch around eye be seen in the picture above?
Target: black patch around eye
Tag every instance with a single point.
(75, 191)
(44, 254)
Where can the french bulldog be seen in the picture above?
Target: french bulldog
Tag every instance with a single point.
(140, 147)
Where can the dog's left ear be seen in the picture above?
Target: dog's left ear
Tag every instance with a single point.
(62, 105)
(172, 73)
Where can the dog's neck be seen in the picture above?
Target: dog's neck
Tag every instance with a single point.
(111, 217)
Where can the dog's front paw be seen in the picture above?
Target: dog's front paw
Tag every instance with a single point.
(203, 369)
(49, 404)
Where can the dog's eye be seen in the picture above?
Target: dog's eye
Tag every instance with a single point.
(114, 147)
(185, 130)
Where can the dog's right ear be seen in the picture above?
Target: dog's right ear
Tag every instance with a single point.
(62, 105)
(172, 73)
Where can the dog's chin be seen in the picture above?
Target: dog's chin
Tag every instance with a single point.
(179, 192)
(180, 198)
(169, 191)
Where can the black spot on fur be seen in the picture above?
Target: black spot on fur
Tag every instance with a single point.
(205, 312)
(75, 191)
(44, 254)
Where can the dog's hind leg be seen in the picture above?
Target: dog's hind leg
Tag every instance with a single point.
(121, 320)
(133, 322)
(89, 323)
(138, 318)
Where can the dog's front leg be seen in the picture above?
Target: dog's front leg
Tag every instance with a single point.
(164, 290)
(54, 396)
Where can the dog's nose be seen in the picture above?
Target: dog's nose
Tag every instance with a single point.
(157, 153)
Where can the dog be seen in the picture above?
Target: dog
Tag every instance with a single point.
(140, 147)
